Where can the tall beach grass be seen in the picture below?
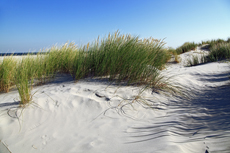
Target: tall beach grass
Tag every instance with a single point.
(120, 58)
(7, 72)
(174, 53)
(213, 42)
(123, 58)
(187, 46)
(23, 79)
(219, 51)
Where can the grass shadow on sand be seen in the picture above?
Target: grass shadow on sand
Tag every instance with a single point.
(204, 117)
(8, 104)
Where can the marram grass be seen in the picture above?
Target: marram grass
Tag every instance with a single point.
(213, 42)
(7, 69)
(120, 58)
(24, 76)
(174, 53)
(219, 51)
(186, 47)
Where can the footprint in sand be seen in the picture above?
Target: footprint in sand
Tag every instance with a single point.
(57, 103)
(45, 139)
(96, 142)
(92, 144)
(102, 96)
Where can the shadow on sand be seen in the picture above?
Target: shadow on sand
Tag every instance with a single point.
(205, 116)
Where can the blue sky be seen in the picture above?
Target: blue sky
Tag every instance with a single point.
(30, 25)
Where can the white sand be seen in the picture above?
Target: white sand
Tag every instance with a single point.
(90, 116)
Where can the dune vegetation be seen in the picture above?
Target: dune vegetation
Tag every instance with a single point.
(120, 58)
(212, 43)
(187, 46)
(218, 51)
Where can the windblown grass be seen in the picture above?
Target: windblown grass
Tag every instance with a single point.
(196, 60)
(23, 78)
(186, 47)
(213, 42)
(7, 69)
(219, 51)
(61, 59)
(121, 58)
(174, 53)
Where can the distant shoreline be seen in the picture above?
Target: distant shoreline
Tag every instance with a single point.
(21, 54)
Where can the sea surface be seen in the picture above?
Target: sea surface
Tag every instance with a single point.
(19, 53)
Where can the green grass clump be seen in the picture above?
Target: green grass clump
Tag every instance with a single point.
(212, 43)
(7, 69)
(121, 58)
(56, 60)
(23, 78)
(219, 51)
(193, 61)
(186, 47)
(228, 40)
(61, 59)
(196, 60)
(174, 53)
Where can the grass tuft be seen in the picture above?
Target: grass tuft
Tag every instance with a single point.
(23, 78)
(186, 47)
(174, 53)
(219, 52)
(120, 58)
(7, 69)
(212, 43)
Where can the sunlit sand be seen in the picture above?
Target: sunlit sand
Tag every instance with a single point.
(94, 116)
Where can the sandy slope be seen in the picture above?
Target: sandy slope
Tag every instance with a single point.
(93, 116)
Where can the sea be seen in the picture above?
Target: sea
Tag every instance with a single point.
(20, 53)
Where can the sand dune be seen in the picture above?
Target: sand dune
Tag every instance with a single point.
(94, 116)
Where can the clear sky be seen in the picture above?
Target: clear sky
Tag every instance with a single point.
(29, 25)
